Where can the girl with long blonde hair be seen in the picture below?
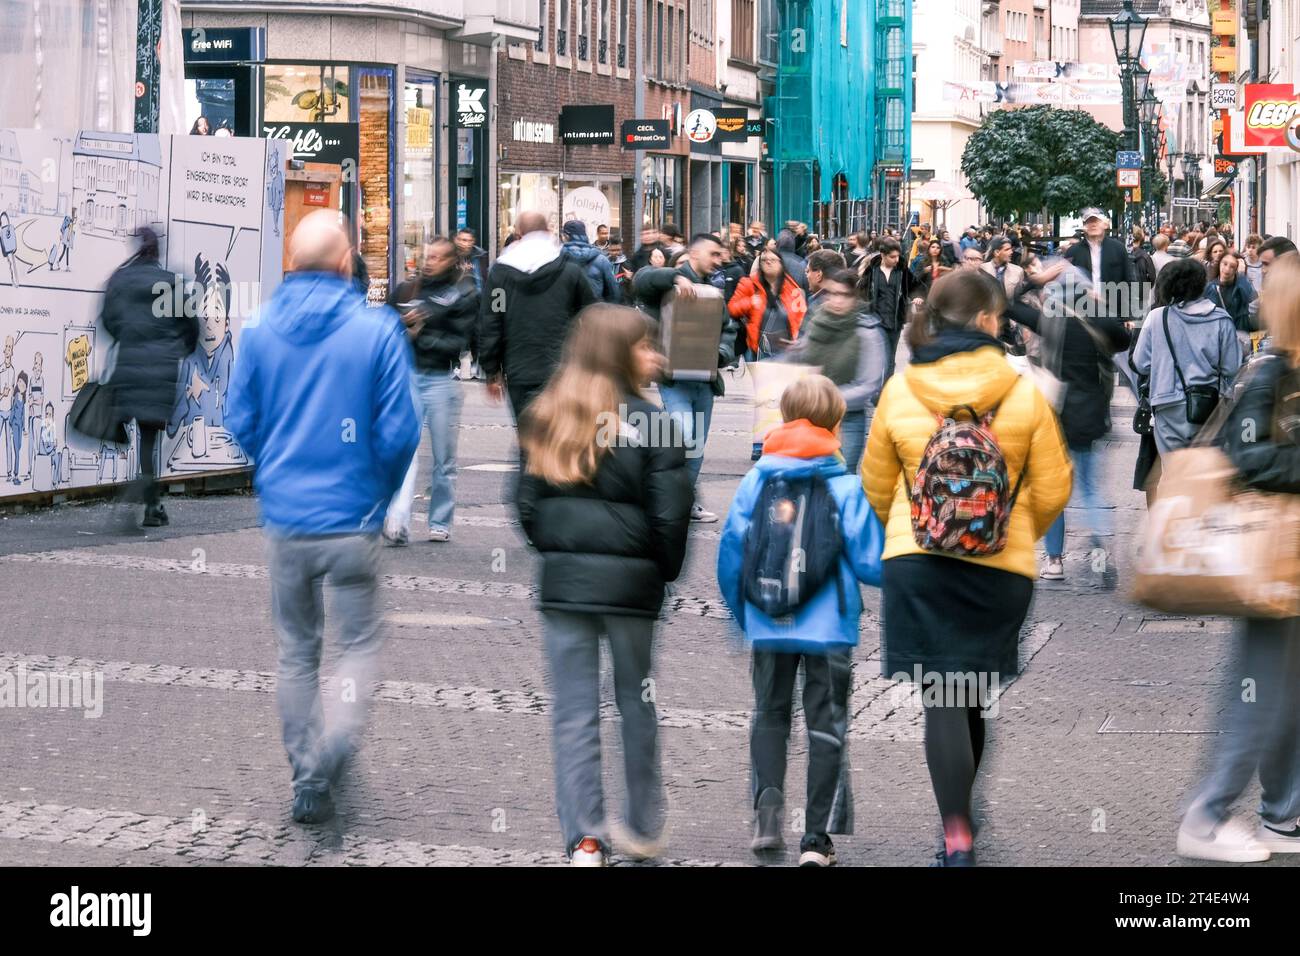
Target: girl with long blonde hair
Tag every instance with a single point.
(605, 498)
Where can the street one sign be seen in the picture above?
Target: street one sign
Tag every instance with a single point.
(1128, 178)
(1128, 159)
(1223, 96)
(645, 134)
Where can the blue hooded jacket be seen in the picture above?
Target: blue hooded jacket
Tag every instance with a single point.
(818, 627)
(320, 399)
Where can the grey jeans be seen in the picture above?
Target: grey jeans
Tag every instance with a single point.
(573, 664)
(319, 738)
(1260, 734)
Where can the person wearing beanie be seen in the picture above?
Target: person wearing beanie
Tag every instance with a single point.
(595, 264)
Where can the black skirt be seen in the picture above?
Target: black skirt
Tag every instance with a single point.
(952, 616)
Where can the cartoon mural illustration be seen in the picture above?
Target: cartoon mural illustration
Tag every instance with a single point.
(70, 203)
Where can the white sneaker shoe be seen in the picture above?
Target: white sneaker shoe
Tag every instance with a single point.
(702, 516)
(439, 534)
(1231, 842)
(587, 853)
(1053, 570)
(1279, 841)
(395, 537)
(635, 845)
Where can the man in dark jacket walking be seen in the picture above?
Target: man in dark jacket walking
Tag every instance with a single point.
(529, 302)
(1107, 264)
(438, 309)
(155, 327)
(595, 265)
(887, 287)
(691, 403)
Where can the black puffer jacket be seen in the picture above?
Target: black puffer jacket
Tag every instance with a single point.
(1264, 396)
(526, 338)
(150, 346)
(609, 547)
(450, 307)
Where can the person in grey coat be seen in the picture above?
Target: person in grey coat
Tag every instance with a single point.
(851, 347)
(1206, 351)
(155, 328)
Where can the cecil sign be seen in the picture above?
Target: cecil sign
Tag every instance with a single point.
(1270, 108)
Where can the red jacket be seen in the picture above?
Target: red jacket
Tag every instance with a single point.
(750, 302)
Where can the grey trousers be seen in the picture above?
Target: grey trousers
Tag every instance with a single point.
(318, 738)
(1260, 735)
(827, 680)
(573, 665)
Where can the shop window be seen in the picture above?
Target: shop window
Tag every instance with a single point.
(562, 28)
(623, 28)
(584, 29)
(602, 33)
(593, 202)
(527, 192)
(542, 25)
(306, 94)
(419, 196)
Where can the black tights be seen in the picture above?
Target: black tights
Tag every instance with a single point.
(147, 483)
(954, 744)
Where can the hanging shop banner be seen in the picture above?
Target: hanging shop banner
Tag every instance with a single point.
(1224, 22)
(470, 97)
(1269, 109)
(645, 134)
(1053, 92)
(212, 45)
(701, 126)
(1224, 167)
(1223, 59)
(1223, 96)
(732, 123)
(589, 125)
(318, 142)
(756, 127)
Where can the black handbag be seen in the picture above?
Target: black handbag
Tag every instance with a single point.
(94, 414)
(1201, 400)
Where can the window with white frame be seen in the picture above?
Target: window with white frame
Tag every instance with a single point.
(602, 33)
(562, 26)
(584, 29)
(624, 26)
(542, 26)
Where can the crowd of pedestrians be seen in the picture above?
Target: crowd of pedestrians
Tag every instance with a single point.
(956, 392)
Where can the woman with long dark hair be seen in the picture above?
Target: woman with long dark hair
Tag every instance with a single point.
(930, 267)
(771, 304)
(605, 498)
(949, 614)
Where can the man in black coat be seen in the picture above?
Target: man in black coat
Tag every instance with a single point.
(147, 311)
(887, 287)
(1107, 264)
(529, 302)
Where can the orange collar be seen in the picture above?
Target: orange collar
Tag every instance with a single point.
(800, 439)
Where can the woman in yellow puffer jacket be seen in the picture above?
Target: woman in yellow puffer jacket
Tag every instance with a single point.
(947, 618)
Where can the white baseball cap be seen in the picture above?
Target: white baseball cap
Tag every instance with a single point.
(1094, 213)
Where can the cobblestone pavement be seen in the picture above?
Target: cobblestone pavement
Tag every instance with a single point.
(1090, 752)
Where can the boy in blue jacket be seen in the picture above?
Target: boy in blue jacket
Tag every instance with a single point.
(801, 459)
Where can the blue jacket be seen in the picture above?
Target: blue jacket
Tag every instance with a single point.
(818, 626)
(597, 268)
(320, 398)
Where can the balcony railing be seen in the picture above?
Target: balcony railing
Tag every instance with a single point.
(602, 51)
(561, 42)
(622, 55)
(582, 46)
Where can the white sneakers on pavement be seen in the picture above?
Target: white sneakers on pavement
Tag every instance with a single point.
(1231, 842)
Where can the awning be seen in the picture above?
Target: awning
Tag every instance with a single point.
(1219, 188)
(938, 191)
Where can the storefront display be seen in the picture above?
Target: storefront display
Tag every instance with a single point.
(524, 192)
(306, 94)
(595, 203)
(375, 117)
(419, 168)
(662, 179)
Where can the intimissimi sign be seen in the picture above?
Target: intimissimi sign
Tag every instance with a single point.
(526, 131)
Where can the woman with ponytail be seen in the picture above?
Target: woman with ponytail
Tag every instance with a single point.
(605, 498)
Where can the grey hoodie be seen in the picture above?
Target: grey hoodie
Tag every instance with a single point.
(1206, 344)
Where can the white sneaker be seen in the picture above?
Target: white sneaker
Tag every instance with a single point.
(703, 517)
(1231, 842)
(1053, 570)
(635, 845)
(395, 537)
(587, 853)
(1279, 841)
(439, 534)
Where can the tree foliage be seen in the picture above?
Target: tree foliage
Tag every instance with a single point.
(1041, 158)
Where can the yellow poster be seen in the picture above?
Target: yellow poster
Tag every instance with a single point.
(1223, 59)
(1224, 23)
(78, 359)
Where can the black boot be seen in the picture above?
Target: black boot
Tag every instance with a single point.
(151, 517)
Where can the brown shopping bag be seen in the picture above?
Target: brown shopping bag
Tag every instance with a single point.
(1211, 547)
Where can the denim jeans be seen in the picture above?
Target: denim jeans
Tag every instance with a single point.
(1087, 485)
(1260, 732)
(318, 739)
(685, 402)
(853, 439)
(827, 679)
(438, 396)
(573, 666)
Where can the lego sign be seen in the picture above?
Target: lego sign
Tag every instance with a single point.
(1270, 108)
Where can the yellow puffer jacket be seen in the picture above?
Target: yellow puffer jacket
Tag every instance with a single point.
(1026, 429)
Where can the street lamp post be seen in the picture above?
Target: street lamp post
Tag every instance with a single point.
(1150, 129)
(1127, 30)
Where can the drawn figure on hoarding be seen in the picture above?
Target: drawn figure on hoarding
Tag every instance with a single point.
(35, 403)
(61, 250)
(274, 188)
(9, 247)
(48, 460)
(206, 372)
(17, 412)
(8, 379)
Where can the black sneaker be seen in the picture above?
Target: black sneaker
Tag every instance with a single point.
(769, 810)
(312, 806)
(151, 518)
(161, 512)
(816, 850)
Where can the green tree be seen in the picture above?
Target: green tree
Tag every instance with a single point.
(1041, 158)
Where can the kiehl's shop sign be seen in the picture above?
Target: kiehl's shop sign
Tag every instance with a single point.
(1270, 109)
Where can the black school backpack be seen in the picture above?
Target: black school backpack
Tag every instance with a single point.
(793, 544)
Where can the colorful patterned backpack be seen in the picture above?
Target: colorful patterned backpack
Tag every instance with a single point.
(962, 497)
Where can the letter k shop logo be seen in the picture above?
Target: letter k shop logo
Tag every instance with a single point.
(470, 100)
